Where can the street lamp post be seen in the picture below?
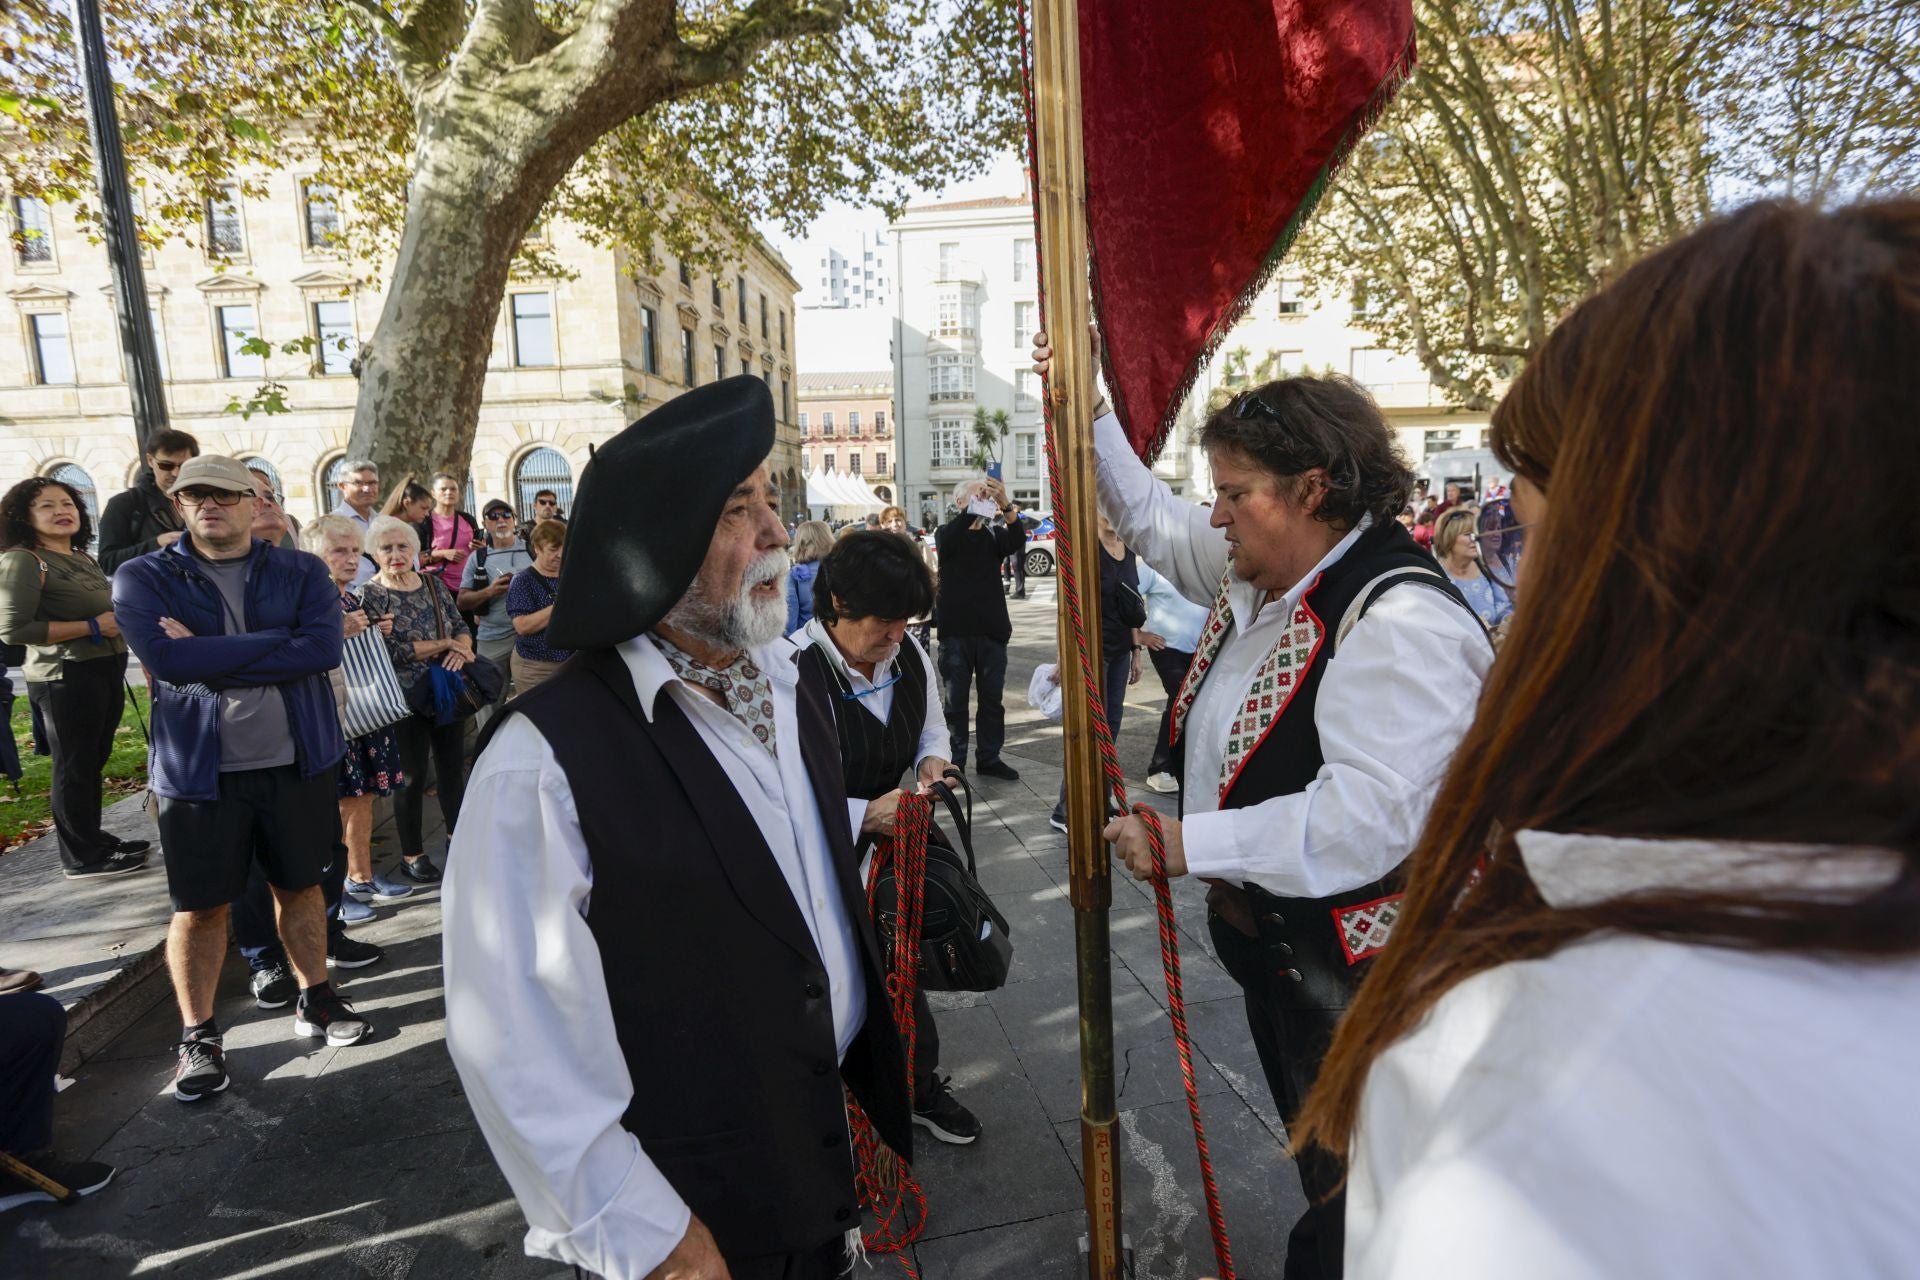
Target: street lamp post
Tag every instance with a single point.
(140, 356)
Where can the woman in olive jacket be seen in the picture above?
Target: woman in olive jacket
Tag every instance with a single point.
(55, 600)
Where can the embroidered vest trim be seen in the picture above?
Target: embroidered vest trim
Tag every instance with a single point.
(1274, 683)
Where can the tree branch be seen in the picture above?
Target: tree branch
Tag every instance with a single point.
(420, 37)
(725, 52)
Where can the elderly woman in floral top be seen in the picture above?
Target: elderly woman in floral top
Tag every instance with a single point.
(427, 628)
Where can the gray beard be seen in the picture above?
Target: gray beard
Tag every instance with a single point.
(740, 622)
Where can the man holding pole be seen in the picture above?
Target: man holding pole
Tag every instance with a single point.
(1335, 674)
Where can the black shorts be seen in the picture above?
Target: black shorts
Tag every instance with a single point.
(289, 822)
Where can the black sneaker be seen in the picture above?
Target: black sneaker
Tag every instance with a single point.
(202, 1069)
(941, 1115)
(76, 1177)
(998, 769)
(274, 987)
(420, 870)
(114, 865)
(327, 1016)
(346, 953)
(132, 846)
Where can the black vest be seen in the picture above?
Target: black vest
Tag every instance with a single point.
(874, 755)
(1301, 937)
(718, 994)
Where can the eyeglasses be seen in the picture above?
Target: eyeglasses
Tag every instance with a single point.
(165, 466)
(499, 515)
(218, 497)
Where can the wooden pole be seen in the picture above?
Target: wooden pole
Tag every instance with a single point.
(1060, 188)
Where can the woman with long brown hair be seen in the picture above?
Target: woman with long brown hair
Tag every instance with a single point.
(1652, 1006)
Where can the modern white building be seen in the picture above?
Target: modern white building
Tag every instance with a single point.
(964, 314)
(851, 278)
(965, 311)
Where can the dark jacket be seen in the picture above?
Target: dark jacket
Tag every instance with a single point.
(970, 601)
(724, 1018)
(134, 520)
(1122, 607)
(292, 641)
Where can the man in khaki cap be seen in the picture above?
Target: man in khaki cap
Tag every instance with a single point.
(239, 637)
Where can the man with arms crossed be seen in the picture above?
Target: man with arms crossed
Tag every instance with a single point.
(239, 636)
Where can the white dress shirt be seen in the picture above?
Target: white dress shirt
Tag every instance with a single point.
(1394, 701)
(1635, 1107)
(528, 1023)
(367, 568)
(876, 698)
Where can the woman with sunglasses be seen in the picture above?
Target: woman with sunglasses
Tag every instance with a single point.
(143, 519)
(1303, 790)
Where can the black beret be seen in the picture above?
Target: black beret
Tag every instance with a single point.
(646, 508)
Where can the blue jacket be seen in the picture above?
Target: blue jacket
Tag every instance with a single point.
(800, 595)
(292, 641)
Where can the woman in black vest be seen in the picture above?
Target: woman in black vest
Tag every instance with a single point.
(868, 589)
(1303, 786)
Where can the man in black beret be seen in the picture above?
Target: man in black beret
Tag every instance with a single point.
(659, 966)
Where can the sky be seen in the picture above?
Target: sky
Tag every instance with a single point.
(849, 341)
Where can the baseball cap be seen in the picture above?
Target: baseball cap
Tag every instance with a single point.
(211, 471)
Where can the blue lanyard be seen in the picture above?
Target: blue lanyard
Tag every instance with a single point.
(852, 694)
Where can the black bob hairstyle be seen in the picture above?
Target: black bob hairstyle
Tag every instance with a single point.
(872, 574)
(16, 515)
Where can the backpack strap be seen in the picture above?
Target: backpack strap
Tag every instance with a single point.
(1428, 578)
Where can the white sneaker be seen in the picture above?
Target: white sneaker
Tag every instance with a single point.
(1165, 783)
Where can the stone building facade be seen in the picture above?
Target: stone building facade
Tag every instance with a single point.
(574, 359)
(846, 427)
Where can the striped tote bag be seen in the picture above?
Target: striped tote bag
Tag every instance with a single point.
(374, 696)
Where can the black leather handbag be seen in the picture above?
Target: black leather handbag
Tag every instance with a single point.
(964, 943)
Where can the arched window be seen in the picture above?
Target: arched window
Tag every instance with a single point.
(257, 463)
(538, 469)
(326, 493)
(73, 474)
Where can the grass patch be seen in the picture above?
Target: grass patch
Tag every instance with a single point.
(25, 815)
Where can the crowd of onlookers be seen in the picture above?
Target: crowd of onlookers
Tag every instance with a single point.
(438, 586)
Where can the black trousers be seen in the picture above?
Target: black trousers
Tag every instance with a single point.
(825, 1262)
(1292, 1043)
(445, 744)
(1114, 672)
(965, 660)
(33, 1026)
(1171, 666)
(926, 1046)
(82, 710)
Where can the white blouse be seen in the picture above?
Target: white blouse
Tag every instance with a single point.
(1636, 1108)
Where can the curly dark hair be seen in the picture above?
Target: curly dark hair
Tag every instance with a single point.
(1292, 426)
(16, 519)
(874, 574)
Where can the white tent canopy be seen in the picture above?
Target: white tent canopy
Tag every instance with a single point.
(831, 489)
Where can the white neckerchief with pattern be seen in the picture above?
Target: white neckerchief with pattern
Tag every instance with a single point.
(746, 690)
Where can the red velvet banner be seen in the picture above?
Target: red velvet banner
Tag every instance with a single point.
(1211, 129)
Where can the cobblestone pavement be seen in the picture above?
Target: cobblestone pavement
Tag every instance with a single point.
(365, 1161)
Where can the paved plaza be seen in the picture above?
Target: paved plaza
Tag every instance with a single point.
(365, 1161)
